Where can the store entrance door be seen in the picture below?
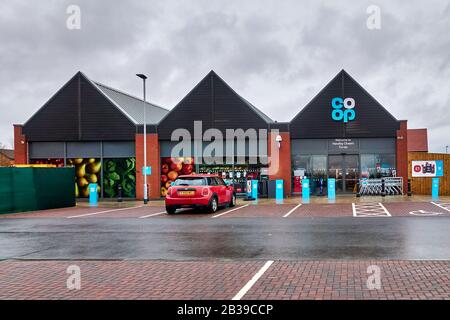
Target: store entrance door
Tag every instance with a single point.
(345, 169)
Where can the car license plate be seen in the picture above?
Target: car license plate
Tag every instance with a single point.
(186, 193)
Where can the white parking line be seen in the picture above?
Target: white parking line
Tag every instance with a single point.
(385, 210)
(152, 215)
(105, 211)
(441, 206)
(252, 281)
(289, 213)
(354, 210)
(221, 214)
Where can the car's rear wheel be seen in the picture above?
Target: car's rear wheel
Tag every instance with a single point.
(213, 205)
(233, 200)
(170, 209)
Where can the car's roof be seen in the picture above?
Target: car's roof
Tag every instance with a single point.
(198, 176)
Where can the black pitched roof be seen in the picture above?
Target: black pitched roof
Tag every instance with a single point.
(372, 119)
(217, 105)
(83, 110)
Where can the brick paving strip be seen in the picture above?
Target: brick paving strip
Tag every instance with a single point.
(327, 279)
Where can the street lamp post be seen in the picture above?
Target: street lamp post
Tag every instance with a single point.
(144, 78)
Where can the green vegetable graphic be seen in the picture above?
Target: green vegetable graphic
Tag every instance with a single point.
(120, 172)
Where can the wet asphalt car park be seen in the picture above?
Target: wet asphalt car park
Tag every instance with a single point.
(312, 250)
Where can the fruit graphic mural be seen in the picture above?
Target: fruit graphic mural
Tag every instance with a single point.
(87, 170)
(119, 172)
(171, 168)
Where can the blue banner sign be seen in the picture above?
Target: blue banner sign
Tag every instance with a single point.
(439, 168)
(147, 170)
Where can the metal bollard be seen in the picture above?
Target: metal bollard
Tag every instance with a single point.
(383, 188)
(119, 194)
(358, 190)
(409, 188)
(321, 186)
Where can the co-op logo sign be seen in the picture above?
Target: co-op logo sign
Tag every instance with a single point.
(343, 109)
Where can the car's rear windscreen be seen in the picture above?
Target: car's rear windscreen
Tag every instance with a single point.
(190, 182)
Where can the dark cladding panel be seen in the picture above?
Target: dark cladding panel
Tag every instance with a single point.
(309, 146)
(46, 150)
(196, 106)
(57, 120)
(385, 145)
(79, 112)
(119, 149)
(230, 111)
(371, 121)
(280, 126)
(248, 148)
(315, 121)
(100, 119)
(83, 150)
(214, 103)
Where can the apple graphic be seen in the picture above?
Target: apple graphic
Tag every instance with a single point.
(176, 166)
(177, 160)
(164, 178)
(165, 168)
(172, 175)
(187, 168)
(168, 184)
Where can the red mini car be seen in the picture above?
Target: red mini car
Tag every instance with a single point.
(199, 191)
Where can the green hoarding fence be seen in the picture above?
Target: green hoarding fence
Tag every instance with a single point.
(28, 189)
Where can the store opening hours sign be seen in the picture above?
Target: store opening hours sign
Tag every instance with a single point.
(428, 168)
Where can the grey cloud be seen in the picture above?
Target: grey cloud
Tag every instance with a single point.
(276, 54)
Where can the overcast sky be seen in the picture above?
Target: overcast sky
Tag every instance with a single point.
(276, 54)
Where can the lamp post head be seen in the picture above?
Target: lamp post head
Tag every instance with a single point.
(142, 76)
(278, 139)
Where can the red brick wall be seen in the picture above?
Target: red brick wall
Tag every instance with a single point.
(20, 146)
(153, 160)
(417, 140)
(283, 161)
(402, 154)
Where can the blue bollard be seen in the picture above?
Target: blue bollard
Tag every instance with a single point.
(331, 189)
(93, 195)
(255, 190)
(305, 190)
(279, 191)
(435, 188)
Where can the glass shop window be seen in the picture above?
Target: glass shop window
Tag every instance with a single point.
(376, 166)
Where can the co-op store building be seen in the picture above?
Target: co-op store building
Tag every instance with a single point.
(343, 133)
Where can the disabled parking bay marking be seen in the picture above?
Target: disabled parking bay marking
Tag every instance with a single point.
(423, 213)
(442, 205)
